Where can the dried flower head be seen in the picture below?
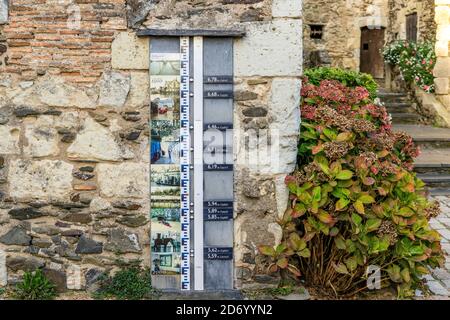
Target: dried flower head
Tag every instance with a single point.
(387, 228)
(336, 150)
(433, 210)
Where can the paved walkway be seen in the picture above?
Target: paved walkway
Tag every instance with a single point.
(439, 280)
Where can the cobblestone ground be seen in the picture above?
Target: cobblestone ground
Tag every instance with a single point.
(439, 280)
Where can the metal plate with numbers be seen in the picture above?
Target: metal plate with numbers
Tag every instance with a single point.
(218, 253)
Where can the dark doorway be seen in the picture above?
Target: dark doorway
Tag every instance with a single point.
(372, 41)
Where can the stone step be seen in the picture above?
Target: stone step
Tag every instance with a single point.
(401, 109)
(403, 105)
(405, 118)
(427, 137)
(435, 180)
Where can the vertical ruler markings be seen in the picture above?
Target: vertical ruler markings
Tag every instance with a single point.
(185, 164)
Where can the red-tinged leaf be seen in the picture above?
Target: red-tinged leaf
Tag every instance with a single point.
(410, 187)
(368, 181)
(315, 150)
(325, 217)
(273, 268)
(383, 192)
(293, 269)
(282, 263)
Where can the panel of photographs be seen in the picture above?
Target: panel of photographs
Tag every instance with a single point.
(165, 151)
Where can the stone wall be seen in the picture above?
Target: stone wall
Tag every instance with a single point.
(442, 69)
(342, 22)
(74, 152)
(399, 9)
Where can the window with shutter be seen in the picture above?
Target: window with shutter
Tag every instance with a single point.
(411, 27)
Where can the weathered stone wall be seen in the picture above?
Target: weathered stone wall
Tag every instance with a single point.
(74, 151)
(399, 9)
(342, 22)
(442, 69)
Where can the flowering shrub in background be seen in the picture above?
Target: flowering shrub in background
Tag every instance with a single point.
(349, 78)
(354, 199)
(416, 62)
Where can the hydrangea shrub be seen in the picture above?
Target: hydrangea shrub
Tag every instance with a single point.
(355, 201)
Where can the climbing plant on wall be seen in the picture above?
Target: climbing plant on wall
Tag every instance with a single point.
(416, 62)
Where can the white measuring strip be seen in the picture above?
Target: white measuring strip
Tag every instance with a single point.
(198, 164)
(185, 165)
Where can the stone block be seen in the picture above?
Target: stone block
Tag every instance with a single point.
(43, 180)
(126, 180)
(442, 15)
(9, 142)
(42, 138)
(284, 106)
(270, 49)
(130, 52)
(114, 89)
(139, 95)
(442, 85)
(442, 68)
(287, 8)
(3, 271)
(95, 143)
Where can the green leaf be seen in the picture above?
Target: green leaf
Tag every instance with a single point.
(356, 219)
(344, 136)
(305, 253)
(297, 243)
(342, 204)
(366, 199)
(323, 164)
(372, 224)
(340, 243)
(344, 175)
(330, 134)
(280, 248)
(405, 212)
(405, 275)
(351, 263)
(359, 207)
(341, 268)
(317, 194)
(267, 250)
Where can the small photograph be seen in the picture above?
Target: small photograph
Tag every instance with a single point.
(163, 108)
(162, 201)
(165, 68)
(165, 215)
(168, 86)
(174, 56)
(166, 248)
(165, 180)
(165, 142)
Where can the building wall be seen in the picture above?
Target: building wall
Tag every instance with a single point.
(442, 69)
(342, 21)
(399, 9)
(74, 113)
